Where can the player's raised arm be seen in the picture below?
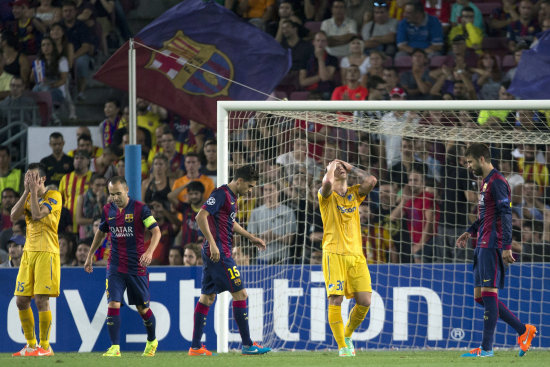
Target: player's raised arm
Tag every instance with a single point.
(202, 221)
(19, 207)
(243, 232)
(328, 179)
(37, 211)
(368, 181)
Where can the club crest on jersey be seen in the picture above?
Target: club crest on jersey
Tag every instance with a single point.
(330, 287)
(179, 59)
(350, 197)
(129, 218)
(210, 201)
(238, 282)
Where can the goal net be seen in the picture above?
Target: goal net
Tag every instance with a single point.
(425, 198)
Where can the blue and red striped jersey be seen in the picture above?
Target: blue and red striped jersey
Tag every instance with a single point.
(493, 225)
(190, 231)
(222, 207)
(127, 228)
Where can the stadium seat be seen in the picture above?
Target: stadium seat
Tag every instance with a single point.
(313, 27)
(45, 105)
(508, 62)
(299, 96)
(494, 43)
(388, 62)
(437, 61)
(403, 63)
(487, 8)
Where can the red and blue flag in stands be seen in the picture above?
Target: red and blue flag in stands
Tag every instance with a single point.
(199, 34)
(532, 77)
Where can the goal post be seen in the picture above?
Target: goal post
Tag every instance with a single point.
(420, 299)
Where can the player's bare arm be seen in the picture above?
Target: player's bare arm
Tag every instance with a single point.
(202, 221)
(368, 181)
(19, 207)
(147, 257)
(37, 211)
(508, 257)
(328, 179)
(98, 240)
(258, 242)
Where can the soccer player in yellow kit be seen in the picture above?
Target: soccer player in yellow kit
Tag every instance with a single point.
(39, 272)
(344, 265)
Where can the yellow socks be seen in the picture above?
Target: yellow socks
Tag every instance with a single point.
(45, 322)
(356, 317)
(336, 324)
(27, 323)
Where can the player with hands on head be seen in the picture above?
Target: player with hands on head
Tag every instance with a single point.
(126, 220)
(39, 272)
(493, 229)
(217, 222)
(344, 265)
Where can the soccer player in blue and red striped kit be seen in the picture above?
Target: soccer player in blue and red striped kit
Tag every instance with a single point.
(493, 228)
(126, 220)
(216, 220)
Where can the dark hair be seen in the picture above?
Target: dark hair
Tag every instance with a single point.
(114, 101)
(195, 247)
(417, 5)
(5, 149)
(117, 179)
(178, 248)
(419, 168)
(40, 167)
(374, 81)
(468, 9)
(11, 39)
(68, 3)
(247, 173)
(95, 177)
(52, 68)
(478, 150)
(195, 186)
(10, 189)
(193, 154)
(84, 137)
(417, 50)
(291, 23)
(506, 84)
(209, 142)
(56, 135)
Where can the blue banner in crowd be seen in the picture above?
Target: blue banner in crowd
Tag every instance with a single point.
(413, 306)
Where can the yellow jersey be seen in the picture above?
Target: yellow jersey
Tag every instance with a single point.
(341, 225)
(42, 234)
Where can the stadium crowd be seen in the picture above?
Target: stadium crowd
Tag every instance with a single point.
(341, 50)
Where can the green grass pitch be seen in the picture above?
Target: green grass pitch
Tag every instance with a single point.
(283, 359)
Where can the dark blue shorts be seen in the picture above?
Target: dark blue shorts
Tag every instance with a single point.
(220, 276)
(488, 268)
(137, 286)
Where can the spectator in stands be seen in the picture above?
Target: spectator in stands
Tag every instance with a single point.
(258, 13)
(377, 242)
(191, 254)
(275, 223)
(455, 192)
(47, 13)
(421, 213)
(399, 171)
(81, 254)
(50, 72)
(419, 30)
(15, 62)
(168, 224)
(80, 36)
(379, 33)
(26, 27)
(356, 57)
(487, 77)
(502, 17)
(175, 159)
(424, 153)
(339, 29)
(456, 11)
(352, 90)
(104, 164)
(532, 207)
(525, 28)
(209, 166)
(188, 211)
(391, 78)
(159, 183)
(517, 57)
(544, 26)
(148, 117)
(441, 9)
(104, 12)
(298, 157)
(376, 63)
(58, 163)
(175, 256)
(317, 73)
(499, 118)
(5, 79)
(76, 183)
(9, 198)
(456, 81)
(9, 176)
(466, 28)
(533, 248)
(240, 256)
(18, 107)
(397, 9)
(192, 165)
(90, 205)
(360, 11)
(15, 250)
(108, 126)
(62, 44)
(300, 50)
(509, 169)
(66, 249)
(395, 121)
(531, 169)
(315, 10)
(417, 82)
(85, 143)
(286, 13)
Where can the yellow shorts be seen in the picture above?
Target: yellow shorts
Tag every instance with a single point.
(345, 274)
(39, 273)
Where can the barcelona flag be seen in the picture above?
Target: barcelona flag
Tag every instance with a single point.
(193, 53)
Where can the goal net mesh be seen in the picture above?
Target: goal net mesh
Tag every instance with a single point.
(418, 157)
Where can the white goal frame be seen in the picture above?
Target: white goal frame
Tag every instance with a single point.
(225, 107)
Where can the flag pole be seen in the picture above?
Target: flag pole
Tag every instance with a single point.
(132, 151)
